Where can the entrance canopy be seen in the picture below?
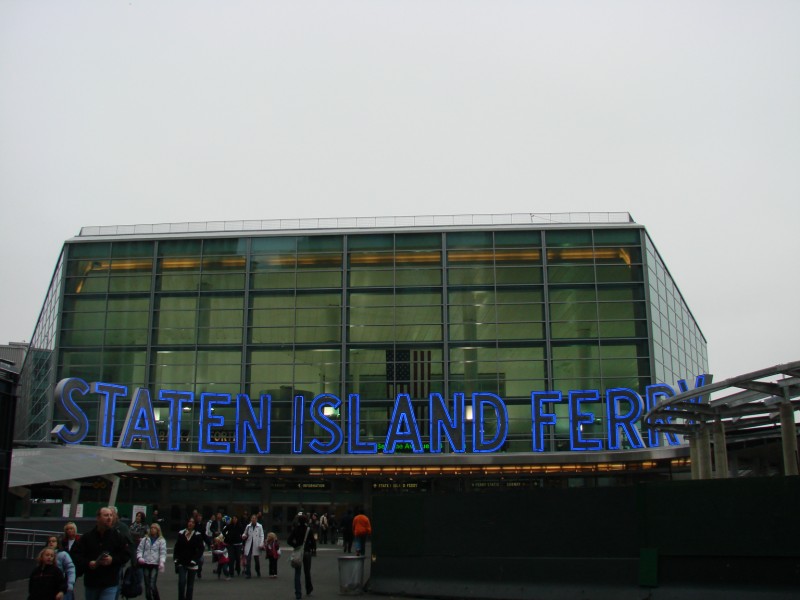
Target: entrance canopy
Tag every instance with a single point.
(31, 466)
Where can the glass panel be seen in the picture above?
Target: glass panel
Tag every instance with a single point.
(272, 281)
(520, 331)
(622, 310)
(470, 239)
(370, 242)
(372, 278)
(140, 283)
(91, 250)
(83, 320)
(573, 312)
(126, 337)
(418, 277)
(513, 239)
(319, 279)
(325, 335)
(476, 276)
(82, 337)
(237, 246)
(580, 237)
(178, 282)
(320, 243)
(570, 274)
(228, 281)
(603, 237)
(272, 335)
(519, 276)
(609, 273)
(92, 283)
(179, 248)
(272, 244)
(574, 329)
(613, 329)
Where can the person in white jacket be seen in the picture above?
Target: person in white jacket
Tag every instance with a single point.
(151, 556)
(253, 538)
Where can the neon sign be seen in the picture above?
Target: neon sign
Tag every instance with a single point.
(448, 421)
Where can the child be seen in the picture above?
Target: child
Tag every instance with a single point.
(46, 582)
(220, 552)
(273, 548)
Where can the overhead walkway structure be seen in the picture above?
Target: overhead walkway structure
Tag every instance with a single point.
(754, 402)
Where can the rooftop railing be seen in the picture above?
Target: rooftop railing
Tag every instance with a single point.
(350, 223)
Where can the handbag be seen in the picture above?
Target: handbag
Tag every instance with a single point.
(297, 553)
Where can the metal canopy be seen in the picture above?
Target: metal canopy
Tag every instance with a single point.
(30, 466)
(755, 403)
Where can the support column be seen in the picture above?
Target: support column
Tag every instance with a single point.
(695, 460)
(720, 451)
(704, 454)
(114, 479)
(788, 439)
(74, 497)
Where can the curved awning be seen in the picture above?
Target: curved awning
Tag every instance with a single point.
(31, 466)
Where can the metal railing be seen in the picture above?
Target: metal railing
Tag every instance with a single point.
(25, 543)
(357, 223)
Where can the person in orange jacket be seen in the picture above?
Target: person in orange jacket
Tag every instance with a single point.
(361, 529)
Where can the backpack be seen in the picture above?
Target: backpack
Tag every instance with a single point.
(132, 582)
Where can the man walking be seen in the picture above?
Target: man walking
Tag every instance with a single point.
(361, 529)
(100, 554)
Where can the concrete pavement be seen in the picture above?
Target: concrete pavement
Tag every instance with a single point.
(324, 575)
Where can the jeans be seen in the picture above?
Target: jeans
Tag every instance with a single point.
(254, 555)
(235, 554)
(307, 570)
(150, 573)
(185, 582)
(108, 593)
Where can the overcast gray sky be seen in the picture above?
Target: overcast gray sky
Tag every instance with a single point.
(684, 113)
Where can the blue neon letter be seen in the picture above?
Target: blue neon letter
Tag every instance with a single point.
(354, 444)
(540, 418)
(443, 423)
(577, 418)
(247, 424)
(108, 406)
(67, 404)
(140, 422)
(176, 400)
(208, 401)
(320, 419)
(480, 402)
(617, 420)
(403, 426)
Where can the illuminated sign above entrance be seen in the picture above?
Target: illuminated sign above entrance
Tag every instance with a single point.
(448, 422)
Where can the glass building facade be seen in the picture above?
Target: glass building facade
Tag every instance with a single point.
(500, 305)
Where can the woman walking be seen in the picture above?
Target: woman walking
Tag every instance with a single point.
(273, 552)
(301, 540)
(187, 554)
(151, 555)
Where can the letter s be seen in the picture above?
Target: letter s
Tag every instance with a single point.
(70, 409)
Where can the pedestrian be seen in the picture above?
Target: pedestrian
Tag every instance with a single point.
(273, 547)
(323, 528)
(64, 564)
(361, 529)
(219, 551)
(46, 582)
(70, 537)
(138, 528)
(301, 540)
(253, 538)
(233, 533)
(187, 554)
(151, 555)
(346, 527)
(99, 555)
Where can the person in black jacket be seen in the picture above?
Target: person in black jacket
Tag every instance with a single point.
(233, 533)
(99, 555)
(46, 582)
(187, 554)
(301, 536)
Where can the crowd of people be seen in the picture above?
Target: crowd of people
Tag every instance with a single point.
(111, 552)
